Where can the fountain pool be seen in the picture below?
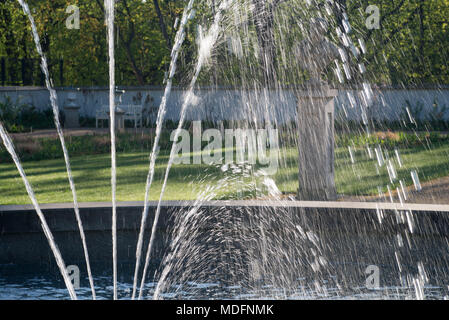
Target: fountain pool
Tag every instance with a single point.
(220, 261)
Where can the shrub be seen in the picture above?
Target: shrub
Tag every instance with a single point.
(9, 115)
(390, 139)
(23, 117)
(29, 147)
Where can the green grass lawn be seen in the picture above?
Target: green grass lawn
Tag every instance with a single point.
(187, 182)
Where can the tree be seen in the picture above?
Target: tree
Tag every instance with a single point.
(410, 47)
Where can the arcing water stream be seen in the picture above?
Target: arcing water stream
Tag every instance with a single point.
(110, 16)
(60, 262)
(206, 45)
(54, 104)
(180, 36)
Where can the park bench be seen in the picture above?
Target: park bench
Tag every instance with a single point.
(132, 113)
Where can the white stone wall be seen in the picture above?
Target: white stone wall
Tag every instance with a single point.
(232, 104)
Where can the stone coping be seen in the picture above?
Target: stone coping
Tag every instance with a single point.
(243, 203)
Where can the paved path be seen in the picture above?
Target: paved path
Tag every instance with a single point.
(433, 192)
(51, 133)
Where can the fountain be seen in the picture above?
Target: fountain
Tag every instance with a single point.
(259, 243)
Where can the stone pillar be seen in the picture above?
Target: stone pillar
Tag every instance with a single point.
(71, 110)
(316, 143)
(119, 119)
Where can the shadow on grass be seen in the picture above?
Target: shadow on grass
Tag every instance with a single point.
(92, 174)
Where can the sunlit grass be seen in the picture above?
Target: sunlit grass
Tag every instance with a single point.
(187, 181)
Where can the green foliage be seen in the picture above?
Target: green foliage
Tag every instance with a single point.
(9, 115)
(29, 148)
(142, 52)
(391, 139)
(409, 48)
(18, 117)
(411, 45)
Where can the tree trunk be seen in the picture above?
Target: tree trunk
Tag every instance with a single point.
(162, 24)
(422, 36)
(263, 16)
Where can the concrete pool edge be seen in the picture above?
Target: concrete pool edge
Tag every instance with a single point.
(336, 216)
(22, 240)
(241, 203)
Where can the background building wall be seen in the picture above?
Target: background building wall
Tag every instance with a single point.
(234, 104)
